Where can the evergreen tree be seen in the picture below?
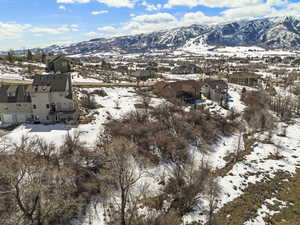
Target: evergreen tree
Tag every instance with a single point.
(29, 55)
(10, 56)
(44, 57)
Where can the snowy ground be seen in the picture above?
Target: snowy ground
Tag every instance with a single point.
(239, 51)
(234, 184)
(78, 78)
(126, 97)
(181, 77)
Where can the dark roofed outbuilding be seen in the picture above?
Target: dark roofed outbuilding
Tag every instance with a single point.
(59, 64)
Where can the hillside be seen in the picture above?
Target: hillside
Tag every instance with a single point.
(268, 33)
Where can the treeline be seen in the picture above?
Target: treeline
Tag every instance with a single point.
(28, 56)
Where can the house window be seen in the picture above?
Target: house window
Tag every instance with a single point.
(34, 106)
(19, 105)
(48, 106)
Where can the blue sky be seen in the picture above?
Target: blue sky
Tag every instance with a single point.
(38, 23)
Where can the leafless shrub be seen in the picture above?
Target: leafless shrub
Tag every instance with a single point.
(34, 186)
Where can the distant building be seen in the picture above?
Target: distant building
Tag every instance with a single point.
(143, 75)
(59, 64)
(188, 90)
(216, 90)
(246, 79)
(186, 68)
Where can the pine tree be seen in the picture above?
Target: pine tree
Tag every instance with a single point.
(29, 55)
(44, 58)
(10, 57)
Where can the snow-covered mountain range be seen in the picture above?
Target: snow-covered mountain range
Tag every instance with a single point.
(268, 33)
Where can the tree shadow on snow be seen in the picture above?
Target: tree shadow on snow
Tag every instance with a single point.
(49, 127)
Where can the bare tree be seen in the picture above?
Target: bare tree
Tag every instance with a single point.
(35, 188)
(213, 192)
(117, 104)
(122, 177)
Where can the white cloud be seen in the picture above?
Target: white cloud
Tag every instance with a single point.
(118, 3)
(155, 18)
(249, 12)
(110, 3)
(91, 34)
(277, 2)
(212, 3)
(12, 30)
(149, 23)
(199, 18)
(62, 7)
(151, 7)
(74, 27)
(294, 6)
(106, 28)
(57, 30)
(99, 12)
(72, 1)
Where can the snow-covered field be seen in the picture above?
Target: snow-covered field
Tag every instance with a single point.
(78, 78)
(239, 51)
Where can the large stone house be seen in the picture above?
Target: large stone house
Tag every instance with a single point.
(48, 100)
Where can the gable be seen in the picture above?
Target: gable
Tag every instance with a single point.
(14, 93)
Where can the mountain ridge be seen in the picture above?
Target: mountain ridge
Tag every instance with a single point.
(268, 33)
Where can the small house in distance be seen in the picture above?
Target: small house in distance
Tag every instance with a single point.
(246, 79)
(186, 68)
(187, 91)
(59, 64)
(216, 90)
(143, 75)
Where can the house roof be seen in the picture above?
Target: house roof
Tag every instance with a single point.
(14, 94)
(218, 85)
(54, 58)
(54, 82)
(170, 90)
